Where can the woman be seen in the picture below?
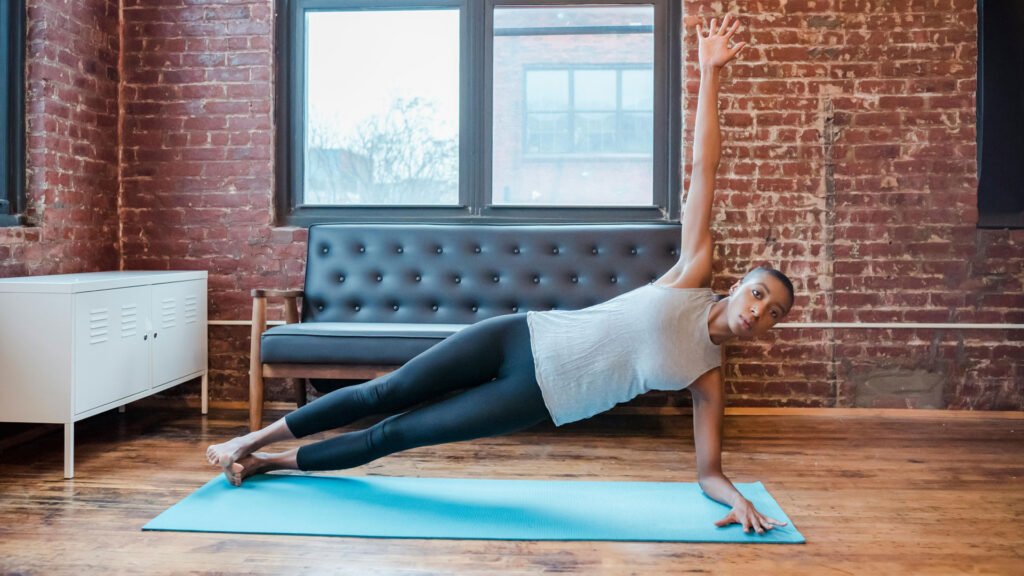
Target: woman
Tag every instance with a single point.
(519, 370)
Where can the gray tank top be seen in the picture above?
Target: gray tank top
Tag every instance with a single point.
(650, 338)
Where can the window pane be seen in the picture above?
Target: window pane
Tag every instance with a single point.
(547, 90)
(595, 132)
(638, 90)
(568, 83)
(594, 90)
(382, 107)
(637, 132)
(548, 133)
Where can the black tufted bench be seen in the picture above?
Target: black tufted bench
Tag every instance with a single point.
(376, 295)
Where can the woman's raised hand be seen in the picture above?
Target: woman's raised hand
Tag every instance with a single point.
(713, 49)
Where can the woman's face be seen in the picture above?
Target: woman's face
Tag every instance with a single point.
(757, 304)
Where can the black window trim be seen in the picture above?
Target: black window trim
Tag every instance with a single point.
(987, 217)
(12, 114)
(476, 49)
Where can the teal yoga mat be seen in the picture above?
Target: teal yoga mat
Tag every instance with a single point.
(460, 508)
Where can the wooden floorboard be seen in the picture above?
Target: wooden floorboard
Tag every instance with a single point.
(872, 494)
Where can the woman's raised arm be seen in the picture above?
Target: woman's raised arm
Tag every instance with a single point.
(694, 267)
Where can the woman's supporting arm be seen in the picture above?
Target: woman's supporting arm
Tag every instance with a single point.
(708, 394)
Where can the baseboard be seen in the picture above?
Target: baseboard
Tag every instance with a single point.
(901, 413)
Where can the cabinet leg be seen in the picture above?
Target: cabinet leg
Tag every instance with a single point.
(206, 392)
(69, 450)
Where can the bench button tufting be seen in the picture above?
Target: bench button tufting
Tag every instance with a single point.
(632, 251)
(515, 308)
(341, 278)
(458, 280)
(477, 249)
(362, 248)
(672, 251)
(495, 278)
(356, 307)
(474, 308)
(400, 250)
(614, 279)
(319, 306)
(536, 280)
(515, 250)
(324, 250)
(554, 250)
(439, 250)
(575, 279)
(418, 277)
(379, 277)
(395, 307)
(593, 250)
(434, 307)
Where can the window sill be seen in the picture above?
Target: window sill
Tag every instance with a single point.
(1004, 220)
(12, 220)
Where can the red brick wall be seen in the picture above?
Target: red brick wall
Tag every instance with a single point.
(199, 168)
(849, 162)
(71, 103)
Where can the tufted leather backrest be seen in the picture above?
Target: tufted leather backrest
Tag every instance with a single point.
(461, 274)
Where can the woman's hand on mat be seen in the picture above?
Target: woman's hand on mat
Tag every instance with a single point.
(745, 514)
(713, 50)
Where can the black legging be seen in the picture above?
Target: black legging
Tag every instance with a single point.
(491, 358)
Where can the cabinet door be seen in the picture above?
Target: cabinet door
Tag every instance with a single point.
(111, 345)
(179, 330)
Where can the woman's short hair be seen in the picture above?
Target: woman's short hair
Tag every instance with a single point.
(778, 276)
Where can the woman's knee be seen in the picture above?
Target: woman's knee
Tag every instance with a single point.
(388, 436)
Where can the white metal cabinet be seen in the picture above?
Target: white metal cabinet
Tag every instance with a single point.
(112, 348)
(75, 345)
(179, 324)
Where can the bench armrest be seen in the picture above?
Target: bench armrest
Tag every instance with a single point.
(264, 293)
(259, 307)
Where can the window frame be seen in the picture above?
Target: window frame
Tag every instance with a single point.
(12, 113)
(476, 29)
(991, 190)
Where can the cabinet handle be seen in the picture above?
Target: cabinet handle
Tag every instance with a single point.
(154, 335)
(145, 336)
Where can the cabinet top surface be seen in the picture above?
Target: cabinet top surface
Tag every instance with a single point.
(90, 281)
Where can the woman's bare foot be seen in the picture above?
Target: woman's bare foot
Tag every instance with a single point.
(255, 463)
(227, 453)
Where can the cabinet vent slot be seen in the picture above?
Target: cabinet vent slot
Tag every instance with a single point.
(99, 322)
(168, 314)
(129, 320)
(191, 310)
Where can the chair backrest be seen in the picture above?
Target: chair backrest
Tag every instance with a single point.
(461, 274)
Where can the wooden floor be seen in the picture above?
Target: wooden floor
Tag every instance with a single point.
(872, 495)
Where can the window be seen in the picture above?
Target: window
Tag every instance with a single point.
(382, 108)
(1000, 114)
(611, 112)
(12, 154)
(478, 110)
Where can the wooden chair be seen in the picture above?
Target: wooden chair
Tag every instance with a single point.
(295, 374)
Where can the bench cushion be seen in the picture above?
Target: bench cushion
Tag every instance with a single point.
(350, 342)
